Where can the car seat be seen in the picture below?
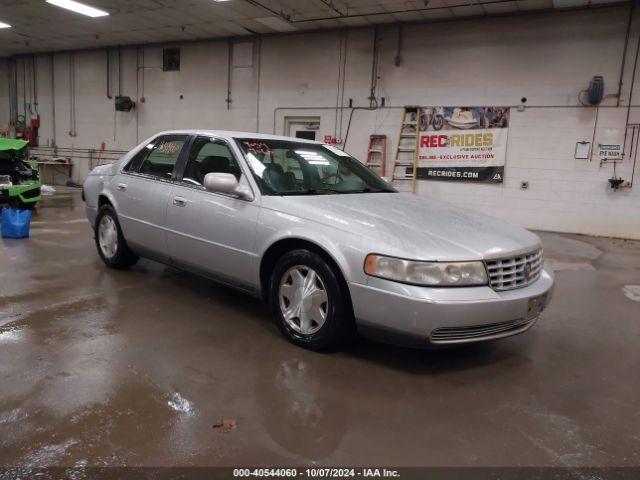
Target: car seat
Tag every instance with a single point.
(274, 176)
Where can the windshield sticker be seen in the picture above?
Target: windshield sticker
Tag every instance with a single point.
(336, 150)
(258, 148)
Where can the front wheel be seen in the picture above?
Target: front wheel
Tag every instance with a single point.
(308, 302)
(110, 242)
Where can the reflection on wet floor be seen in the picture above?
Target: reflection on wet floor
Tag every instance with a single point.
(101, 367)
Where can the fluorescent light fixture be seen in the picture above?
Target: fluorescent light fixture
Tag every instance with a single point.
(4, 25)
(277, 24)
(78, 8)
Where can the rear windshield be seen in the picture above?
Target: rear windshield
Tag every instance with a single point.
(295, 168)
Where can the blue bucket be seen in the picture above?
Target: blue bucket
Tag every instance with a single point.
(15, 223)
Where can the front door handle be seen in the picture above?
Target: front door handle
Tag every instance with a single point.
(179, 202)
(121, 187)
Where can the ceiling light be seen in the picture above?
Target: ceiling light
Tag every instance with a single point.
(276, 24)
(78, 7)
(4, 25)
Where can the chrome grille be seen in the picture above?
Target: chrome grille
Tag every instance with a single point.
(515, 272)
(471, 333)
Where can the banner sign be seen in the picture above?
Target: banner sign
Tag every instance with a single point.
(466, 144)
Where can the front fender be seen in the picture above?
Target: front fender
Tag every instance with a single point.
(344, 248)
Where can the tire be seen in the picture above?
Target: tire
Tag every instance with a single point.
(300, 317)
(111, 245)
(438, 122)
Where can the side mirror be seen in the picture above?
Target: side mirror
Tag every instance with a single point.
(226, 183)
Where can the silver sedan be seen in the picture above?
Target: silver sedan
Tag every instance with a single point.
(334, 249)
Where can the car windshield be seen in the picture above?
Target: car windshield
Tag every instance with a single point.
(296, 168)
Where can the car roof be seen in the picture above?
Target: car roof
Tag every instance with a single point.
(230, 135)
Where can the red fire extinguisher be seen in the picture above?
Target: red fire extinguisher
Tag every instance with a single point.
(32, 131)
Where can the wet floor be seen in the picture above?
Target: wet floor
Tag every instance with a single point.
(101, 367)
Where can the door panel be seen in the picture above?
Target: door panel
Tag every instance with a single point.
(142, 192)
(213, 233)
(142, 206)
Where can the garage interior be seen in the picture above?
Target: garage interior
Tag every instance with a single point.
(154, 367)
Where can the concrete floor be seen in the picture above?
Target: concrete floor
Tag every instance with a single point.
(99, 367)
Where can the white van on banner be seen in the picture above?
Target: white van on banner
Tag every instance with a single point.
(465, 144)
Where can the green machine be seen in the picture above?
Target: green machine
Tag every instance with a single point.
(19, 181)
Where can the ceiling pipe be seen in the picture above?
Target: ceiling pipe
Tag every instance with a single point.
(283, 16)
(624, 51)
(108, 58)
(633, 79)
(411, 10)
(229, 68)
(397, 61)
(53, 101)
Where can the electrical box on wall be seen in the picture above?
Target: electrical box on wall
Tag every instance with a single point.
(124, 104)
(171, 59)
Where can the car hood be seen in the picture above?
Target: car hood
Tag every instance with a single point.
(408, 226)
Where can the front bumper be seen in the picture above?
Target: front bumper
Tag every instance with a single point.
(408, 314)
(27, 194)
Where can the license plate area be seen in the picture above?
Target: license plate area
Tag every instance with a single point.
(536, 306)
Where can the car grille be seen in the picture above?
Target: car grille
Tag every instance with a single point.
(515, 272)
(479, 332)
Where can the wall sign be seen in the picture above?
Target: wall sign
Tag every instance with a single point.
(610, 151)
(465, 144)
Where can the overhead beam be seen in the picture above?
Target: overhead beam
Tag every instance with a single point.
(331, 5)
(282, 15)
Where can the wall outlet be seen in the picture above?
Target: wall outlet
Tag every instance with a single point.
(524, 185)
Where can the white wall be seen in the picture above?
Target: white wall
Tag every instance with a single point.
(546, 58)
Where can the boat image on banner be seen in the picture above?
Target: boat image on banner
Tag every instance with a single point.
(464, 144)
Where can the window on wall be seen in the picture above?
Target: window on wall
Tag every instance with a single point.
(171, 59)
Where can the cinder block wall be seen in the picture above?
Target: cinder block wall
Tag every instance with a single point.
(547, 58)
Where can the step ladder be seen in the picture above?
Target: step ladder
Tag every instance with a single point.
(377, 153)
(405, 161)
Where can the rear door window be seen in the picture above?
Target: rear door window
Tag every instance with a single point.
(158, 159)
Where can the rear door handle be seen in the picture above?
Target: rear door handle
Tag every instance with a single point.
(179, 202)
(121, 186)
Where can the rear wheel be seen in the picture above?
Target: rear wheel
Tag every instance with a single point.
(110, 242)
(309, 303)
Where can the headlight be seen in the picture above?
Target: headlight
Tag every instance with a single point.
(433, 274)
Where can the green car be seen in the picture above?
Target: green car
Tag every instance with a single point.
(19, 181)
